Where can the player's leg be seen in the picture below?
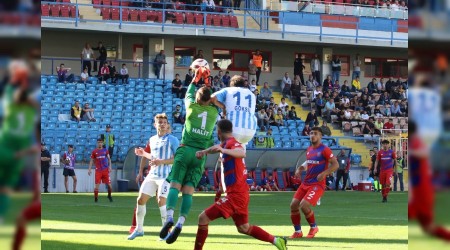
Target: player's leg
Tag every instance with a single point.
(147, 190)
(66, 180)
(107, 180)
(32, 212)
(163, 192)
(295, 212)
(260, 234)
(383, 181)
(97, 185)
(204, 219)
(310, 199)
(75, 180)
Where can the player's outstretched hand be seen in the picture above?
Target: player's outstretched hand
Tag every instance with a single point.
(216, 148)
(298, 172)
(138, 178)
(155, 162)
(89, 172)
(200, 154)
(320, 177)
(139, 151)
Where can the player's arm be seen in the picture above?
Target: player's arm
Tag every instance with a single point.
(334, 165)
(190, 95)
(376, 163)
(110, 163)
(90, 166)
(300, 168)
(394, 157)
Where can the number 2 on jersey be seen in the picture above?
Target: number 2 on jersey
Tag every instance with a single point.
(203, 115)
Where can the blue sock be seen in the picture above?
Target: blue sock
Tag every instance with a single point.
(313, 225)
(298, 228)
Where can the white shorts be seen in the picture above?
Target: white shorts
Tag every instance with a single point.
(150, 186)
(243, 136)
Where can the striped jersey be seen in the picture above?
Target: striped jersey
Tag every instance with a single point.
(387, 159)
(234, 172)
(241, 105)
(317, 161)
(100, 157)
(162, 148)
(71, 157)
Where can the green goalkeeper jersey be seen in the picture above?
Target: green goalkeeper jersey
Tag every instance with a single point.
(18, 122)
(200, 122)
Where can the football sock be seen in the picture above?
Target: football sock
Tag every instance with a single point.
(169, 214)
(311, 219)
(133, 222)
(140, 214)
(202, 234)
(163, 212)
(109, 191)
(441, 233)
(5, 201)
(96, 193)
(388, 189)
(172, 199)
(186, 205)
(19, 237)
(181, 220)
(258, 233)
(295, 218)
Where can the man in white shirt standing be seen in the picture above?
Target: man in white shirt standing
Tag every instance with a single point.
(87, 54)
(356, 68)
(315, 68)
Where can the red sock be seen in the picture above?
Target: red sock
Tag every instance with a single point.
(258, 233)
(388, 189)
(202, 233)
(95, 193)
(19, 237)
(311, 219)
(133, 223)
(383, 192)
(109, 191)
(296, 218)
(441, 233)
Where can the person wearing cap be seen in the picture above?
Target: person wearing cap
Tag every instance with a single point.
(388, 162)
(45, 165)
(260, 138)
(108, 140)
(69, 168)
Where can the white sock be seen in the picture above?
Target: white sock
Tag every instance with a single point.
(274, 240)
(163, 212)
(169, 214)
(140, 214)
(181, 220)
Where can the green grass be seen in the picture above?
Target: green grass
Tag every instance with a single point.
(347, 220)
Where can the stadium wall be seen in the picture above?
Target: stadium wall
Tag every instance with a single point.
(68, 44)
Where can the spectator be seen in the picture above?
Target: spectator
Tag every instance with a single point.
(87, 113)
(372, 86)
(269, 138)
(403, 6)
(327, 84)
(345, 102)
(220, 76)
(226, 79)
(84, 76)
(269, 184)
(397, 93)
(45, 165)
(253, 85)
(75, 112)
(347, 115)
(356, 84)
(63, 74)
(199, 55)
(271, 115)
(380, 86)
(299, 67)
(86, 56)
(266, 93)
(226, 4)
(104, 73)
(320, 104)
(330, 182)
(216, 66)
(404, 107)
(344, 167)
(395, 110)
(252, 69)
(325, 129)
(177, 87)
(286, 84)
(188, 78)
(386, 110)
(261, 138)
(295, 181)
(390, 85)
(356, 67)
(399, 172)
(263, 119)
(292, 115)
(177, 116)
(306, 130)
(336, 87)
(285, 112)
(102, 57)
(160, 59)
(108, 139)
(112, 73)
(345, 89)
(356, 115)
(296, 91)
(251, 183)
(311, 83)
(68, 160)
(369, 128)
(315, 68)
(330, 109)
(279, 119)
(395, 5)
(203, 184)
(378, 126)
(364, 116)
(384, 99)
(336, 68)
(282, 103)
(210, 5)
(389, 126)
(257, 57)
(124, 74)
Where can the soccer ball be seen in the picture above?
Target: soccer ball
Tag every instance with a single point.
(199, 63)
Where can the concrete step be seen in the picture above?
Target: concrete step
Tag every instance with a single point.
(88, 12)
(250, 23)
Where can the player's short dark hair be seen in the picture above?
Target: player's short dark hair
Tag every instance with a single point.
(225, 126)
(99, 140)
(385, 142)
(70, 146)
(317, 129)
(412, 127)
(237, 81)
(204, 94)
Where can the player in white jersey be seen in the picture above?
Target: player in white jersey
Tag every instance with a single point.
(158, 155)
(240, 105)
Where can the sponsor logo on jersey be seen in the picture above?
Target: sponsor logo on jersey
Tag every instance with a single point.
(312, 162)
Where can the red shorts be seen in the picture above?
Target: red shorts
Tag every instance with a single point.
(33, 211)
(386, 177)
(311, 193)
(102, 176)
(232, 205)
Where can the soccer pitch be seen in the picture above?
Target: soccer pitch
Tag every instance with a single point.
(346, 220)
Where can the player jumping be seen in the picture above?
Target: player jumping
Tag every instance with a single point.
(160, 151)
(235, 203)
(317, 157)
(187, 170)
(388, 160)
(421, 200)
(103, 167)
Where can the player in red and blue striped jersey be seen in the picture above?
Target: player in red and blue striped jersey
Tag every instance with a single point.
(388, 160)
(234, 183)
(318, 156)
(103, 167)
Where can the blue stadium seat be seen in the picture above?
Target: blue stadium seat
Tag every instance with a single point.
(287, 144)
(278, 144)
(129, 101)
(118, 108)
(297, 144)
(128, 108)
(158, 95)
(306, 144)
(126, 128)
(280, 179)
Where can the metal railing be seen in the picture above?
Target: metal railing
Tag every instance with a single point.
(263, 15)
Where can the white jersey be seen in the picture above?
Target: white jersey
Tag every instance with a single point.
(241, 105)
(161, 148)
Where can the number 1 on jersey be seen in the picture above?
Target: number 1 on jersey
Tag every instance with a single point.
(238, 99)
(203, 115)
